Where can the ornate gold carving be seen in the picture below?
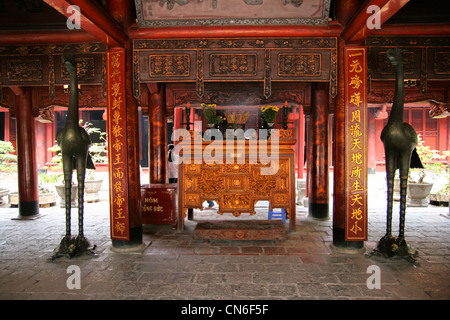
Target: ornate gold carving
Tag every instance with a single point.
(284, 183)
(169, 65)
(442, 62)
(333, 74)
(300, 64)
(281, 134)
(192, 199)
(236, 187)
(51, 75)
(85, 69)
(385, 67)
(283, 166)
(236, 183)
(237, 203)
(233, 64)
(267, 75)
(188, 183)
(192, 168)
(280, 200)
(136, 82)
(236, 168)
(28, 70)
(200, 79)
(210, 181)
(262, 185)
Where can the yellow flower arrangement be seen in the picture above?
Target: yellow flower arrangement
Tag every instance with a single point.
(210, 113)
(269, 113)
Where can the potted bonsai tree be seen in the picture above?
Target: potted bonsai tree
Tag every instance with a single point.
(8, 163)
(421, 181)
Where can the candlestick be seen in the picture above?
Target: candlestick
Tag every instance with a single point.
(285, 115)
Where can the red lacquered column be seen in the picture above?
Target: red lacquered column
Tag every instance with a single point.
(26, 156)
(318, 167)
(157, 133)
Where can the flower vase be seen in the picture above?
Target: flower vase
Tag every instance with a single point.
(269, 131)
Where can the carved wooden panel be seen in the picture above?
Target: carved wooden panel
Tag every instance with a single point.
(38, 65)
(166, 66)
(424, 58)
(439, 63)
(236, 186)
(162, 65)
(89, 69)
(299, 64)
(381, 68)
(24, 70)
(264, 60)
(233, 65)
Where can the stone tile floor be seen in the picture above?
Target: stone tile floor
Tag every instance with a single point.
(174, 266)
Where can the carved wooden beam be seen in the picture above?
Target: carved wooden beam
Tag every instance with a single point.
(357, 29)
(332, 30)
(93, 19)
(45, 36)
(439, 29)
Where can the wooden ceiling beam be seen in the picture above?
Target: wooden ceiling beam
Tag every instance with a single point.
(45, 36)
(438, 29)
(357, 30)
(331, 30)
(94, 20)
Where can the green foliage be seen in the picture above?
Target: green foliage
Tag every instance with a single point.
(8, 160)
(98, 151)
(210, 113)
(434, 162)
(46, 178)
(269, 113)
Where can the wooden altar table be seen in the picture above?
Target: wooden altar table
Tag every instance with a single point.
(239, 180)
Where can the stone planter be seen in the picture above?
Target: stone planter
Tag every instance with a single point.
(301, 191)
(396, 189)
(3, 192)
(45, 199)
(91, 190)
(417, 194)
(62, 195)
(439, 199)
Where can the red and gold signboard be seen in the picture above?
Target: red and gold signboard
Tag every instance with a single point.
(117, 145)
(356, 143)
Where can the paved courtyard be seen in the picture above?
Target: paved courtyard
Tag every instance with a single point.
(174, 266)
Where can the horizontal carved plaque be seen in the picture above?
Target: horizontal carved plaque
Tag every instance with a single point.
(442, 62)
(85, 69)
(300, 64)
(173, 65)
(24, 70)
(233, 64)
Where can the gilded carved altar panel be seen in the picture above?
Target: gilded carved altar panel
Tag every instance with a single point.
(236, 187)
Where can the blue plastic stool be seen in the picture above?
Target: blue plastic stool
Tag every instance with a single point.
(281, 214)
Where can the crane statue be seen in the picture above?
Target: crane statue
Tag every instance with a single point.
(400, 140)
(74, 142)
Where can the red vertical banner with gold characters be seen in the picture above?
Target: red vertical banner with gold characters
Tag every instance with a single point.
(355, 65)
(117, 144)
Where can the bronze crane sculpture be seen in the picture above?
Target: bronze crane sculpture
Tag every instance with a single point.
(400, 140)
(74, 142)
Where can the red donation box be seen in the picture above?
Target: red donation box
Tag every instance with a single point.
(158, 203)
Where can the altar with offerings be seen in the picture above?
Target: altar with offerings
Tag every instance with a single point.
(237, 173)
